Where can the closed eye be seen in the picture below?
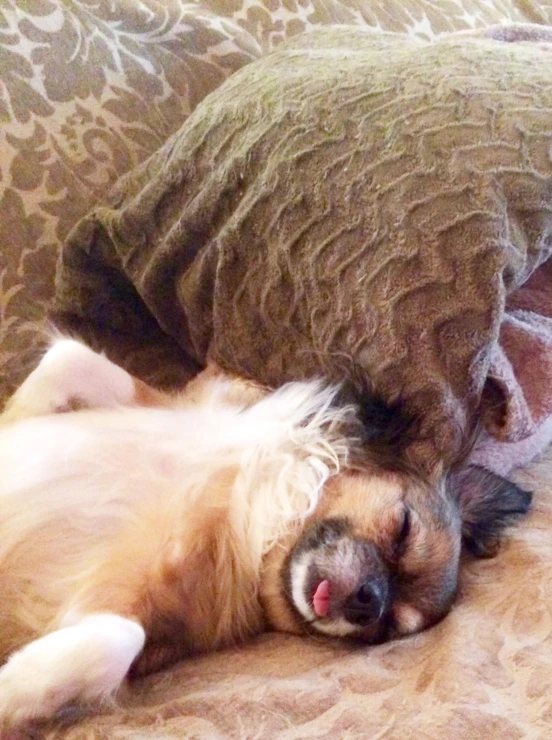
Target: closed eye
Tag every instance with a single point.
(403, 532)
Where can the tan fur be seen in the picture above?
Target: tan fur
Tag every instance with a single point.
(145, 395)
(183, 565)
(172, 569)
(374, 502)
(193, 542)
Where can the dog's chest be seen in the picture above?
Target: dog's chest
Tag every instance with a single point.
(97, 455)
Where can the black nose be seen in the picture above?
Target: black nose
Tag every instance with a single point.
(368, 604)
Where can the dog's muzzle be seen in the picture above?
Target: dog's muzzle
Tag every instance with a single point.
(340, 585)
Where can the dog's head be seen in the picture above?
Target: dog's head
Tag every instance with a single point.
(380, 556)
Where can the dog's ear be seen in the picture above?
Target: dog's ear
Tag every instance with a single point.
(488, 504)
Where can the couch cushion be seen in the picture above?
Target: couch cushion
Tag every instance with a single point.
(356, 205)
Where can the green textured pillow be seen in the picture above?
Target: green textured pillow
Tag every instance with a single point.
(354, 205)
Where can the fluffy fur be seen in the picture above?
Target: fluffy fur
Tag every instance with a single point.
(144, 527)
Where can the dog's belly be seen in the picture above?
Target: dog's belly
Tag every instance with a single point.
(69, 485)
(110, 443)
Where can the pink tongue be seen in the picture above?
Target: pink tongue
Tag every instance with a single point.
(321, 599)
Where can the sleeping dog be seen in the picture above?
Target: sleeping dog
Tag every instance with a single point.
(138, 527)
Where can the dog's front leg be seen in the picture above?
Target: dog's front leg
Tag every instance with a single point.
(72, 376)
(83, 662)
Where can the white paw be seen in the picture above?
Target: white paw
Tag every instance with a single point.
(84, 662)
(69, 376)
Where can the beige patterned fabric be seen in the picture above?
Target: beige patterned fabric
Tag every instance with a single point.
(88, 89)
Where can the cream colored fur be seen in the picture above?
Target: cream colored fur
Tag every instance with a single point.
(122, 525)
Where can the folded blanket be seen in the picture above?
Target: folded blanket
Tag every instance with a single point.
(355, 205)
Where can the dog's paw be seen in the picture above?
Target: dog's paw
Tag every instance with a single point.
(70, 376)
(85, 662)
(27, 693)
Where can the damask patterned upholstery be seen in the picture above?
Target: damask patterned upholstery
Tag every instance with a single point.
(90, 88)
